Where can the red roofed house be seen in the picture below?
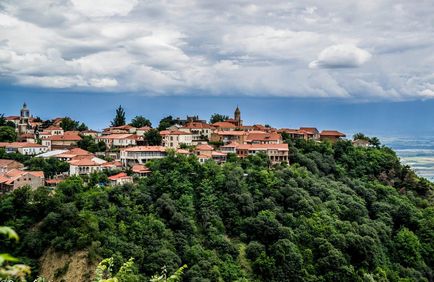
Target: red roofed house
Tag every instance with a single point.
(277, 153)
(120, 179)
(85, 165)
(263, 138)
(54, 130)
(203, 149)
(6, 165)
(119, 140)
(16, 178)
(140, 170)
(141, 154)
(174, 138)
(67, 141)
(24, 148)
(229, 136)
(201, 132)
(224, 126)
(331, 135)
(311, 132)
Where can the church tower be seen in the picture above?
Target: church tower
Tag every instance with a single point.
(24, 119)
(237, 117)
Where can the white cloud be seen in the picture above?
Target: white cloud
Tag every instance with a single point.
(273, 48)
(104, 8)
(341, 56)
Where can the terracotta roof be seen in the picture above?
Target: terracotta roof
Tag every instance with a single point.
(279, 147)
(198, 125)
(53, 127)
(84, 162)
(118, 136)
(231, 145)
(310, 130)
(263, 136)
(67, 136)
(232, 133)
(174, 132)
(224, 124)
(4, 162)
(144, 128)
(118, 176)
(10, 176)
(20, 145)
(112, 164)
(74, 153)
(27, 135)
(182, 151)
(145, 149)
(204, 147)
(333, 133)
(217, 153)
(12, 118)
(203, 156)
(139, 168)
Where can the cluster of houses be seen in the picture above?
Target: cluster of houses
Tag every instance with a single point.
(127, 146)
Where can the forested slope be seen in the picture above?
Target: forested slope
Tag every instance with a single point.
(338, 213)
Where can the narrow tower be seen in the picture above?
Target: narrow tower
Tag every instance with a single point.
(237, 117)
(24, 119)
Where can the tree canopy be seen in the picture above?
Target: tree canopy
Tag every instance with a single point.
(218, 117)
(140, 121)
(337, 213)
(7, 134)
(119, 118)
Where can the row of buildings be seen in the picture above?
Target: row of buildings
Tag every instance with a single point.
(127, 145)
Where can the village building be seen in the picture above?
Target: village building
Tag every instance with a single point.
(141, 154)
(120, 179)
(203, 149)
(226, 137)
(24, 148)
(140, 170)
(175, 138)
(331, 135)
(123, 129)
(201, 132)
(16, 178)
(120, 140)
(276, 153)
(224, 126)
(27, 137)
(85, 165)
(311, 132)
(66, 141)
(54, 130)
(6, 165)
(362, 143)
(90, 132)
(142, 130)
(259, 137)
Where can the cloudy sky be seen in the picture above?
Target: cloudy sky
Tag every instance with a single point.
(372, 50)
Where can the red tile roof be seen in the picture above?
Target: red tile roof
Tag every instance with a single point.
(118, 176)
(204, 147)
(12, 175)
(332, 133)
(224, 124)
(145, 149)
(139, 168)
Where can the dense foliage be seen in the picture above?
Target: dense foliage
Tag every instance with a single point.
(218, 117)
(140, 121)
(338, 213)
(119, 118)
(7, 134)
(68, 124)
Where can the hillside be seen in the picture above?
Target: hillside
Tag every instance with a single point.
(337, 213)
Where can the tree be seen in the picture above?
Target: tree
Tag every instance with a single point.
(4, 122)
(68, 124)
(153, 137)
(82, 127)
(360, 136)
(166, 122)
(140, 121)
(7, 134)
(217, 118)
(119, 119)
(407, 248)
(88, 143)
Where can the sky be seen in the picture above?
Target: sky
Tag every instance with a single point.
(349, 65)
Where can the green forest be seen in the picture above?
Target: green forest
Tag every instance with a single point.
(337, 213)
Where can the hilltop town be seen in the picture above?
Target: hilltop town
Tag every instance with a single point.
(123, 149)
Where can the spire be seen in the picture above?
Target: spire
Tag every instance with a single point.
(24, 105)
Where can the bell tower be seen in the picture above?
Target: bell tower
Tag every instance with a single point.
(237, 117)
(24, 119)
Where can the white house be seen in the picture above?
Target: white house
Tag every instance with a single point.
(174, 138)
(141, 154)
